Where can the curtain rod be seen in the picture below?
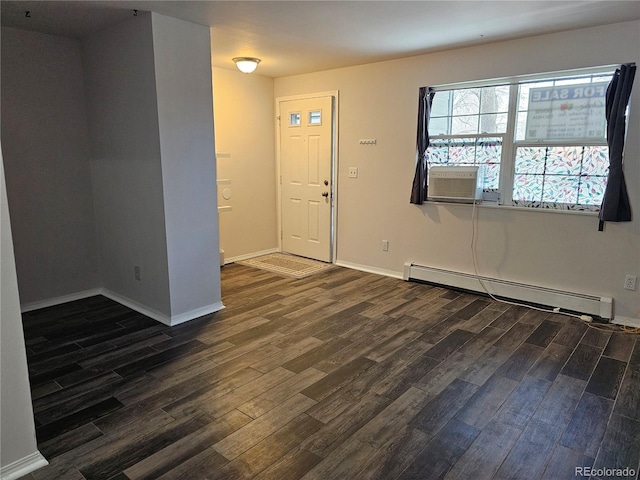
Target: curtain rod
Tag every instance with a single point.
(527, 77)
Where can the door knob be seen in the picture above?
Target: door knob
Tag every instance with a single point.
(325, 194)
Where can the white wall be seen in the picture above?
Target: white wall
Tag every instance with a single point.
(17, 429)
(46, 145)
(556, 250)
(185, 116)
(122, 110)
(245, 140)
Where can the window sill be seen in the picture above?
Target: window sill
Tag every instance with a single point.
(516, 208)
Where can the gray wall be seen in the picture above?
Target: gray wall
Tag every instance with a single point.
(149, 152)
(46, 152)
(17, 430)
(125, 162)
(185, 114)
(110, 164)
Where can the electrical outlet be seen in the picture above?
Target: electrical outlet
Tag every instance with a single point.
(136, 273)
(385, 245)
(630, 282)
(353, 172)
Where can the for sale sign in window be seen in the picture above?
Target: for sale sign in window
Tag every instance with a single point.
(567, 112)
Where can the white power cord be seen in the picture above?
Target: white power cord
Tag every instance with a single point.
(585, 318)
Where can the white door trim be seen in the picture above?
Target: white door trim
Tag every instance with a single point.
(334, 164)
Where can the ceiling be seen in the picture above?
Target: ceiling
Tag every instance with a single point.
(295, 37)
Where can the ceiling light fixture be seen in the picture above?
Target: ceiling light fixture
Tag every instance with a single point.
(246, 64)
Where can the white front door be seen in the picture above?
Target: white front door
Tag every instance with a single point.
(306, 153)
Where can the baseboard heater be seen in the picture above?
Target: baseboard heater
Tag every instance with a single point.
(574, 302)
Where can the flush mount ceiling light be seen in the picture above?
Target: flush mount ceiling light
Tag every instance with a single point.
(246, 64)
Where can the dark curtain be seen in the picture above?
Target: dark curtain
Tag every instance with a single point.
(615, 204)
(419, 189)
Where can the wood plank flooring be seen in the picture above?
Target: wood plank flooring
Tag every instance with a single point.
(342, 375)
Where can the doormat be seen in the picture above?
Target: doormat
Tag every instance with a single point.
(285, 264)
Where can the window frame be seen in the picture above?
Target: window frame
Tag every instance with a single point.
(509, 141)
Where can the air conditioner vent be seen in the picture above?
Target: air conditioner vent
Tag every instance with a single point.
(455, 183)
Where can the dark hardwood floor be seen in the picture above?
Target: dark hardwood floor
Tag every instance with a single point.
(342, 375)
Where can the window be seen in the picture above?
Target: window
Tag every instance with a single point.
(542, 141)
(294, 119)
(468, 127)
(315, 117)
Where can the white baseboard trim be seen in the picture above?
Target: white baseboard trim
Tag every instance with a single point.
(159, 316)
(239, 258)
(23, 467)
(138, 307)
(127, 302)
(369, 269)
(197, 313)
(50, 302)
(627, 321)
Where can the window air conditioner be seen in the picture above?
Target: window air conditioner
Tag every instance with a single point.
(458, 183)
